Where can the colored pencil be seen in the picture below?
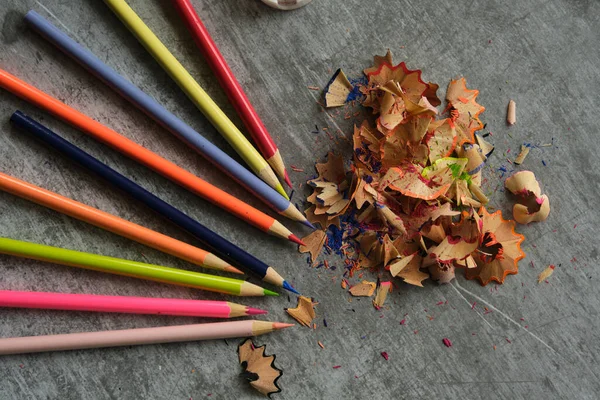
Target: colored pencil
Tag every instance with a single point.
(125, 304)
(232, 87)
(140, 336)
(163, 117)
(196, 94)
(135, 269)
(146, 157)
(113, 224)
(221, 245)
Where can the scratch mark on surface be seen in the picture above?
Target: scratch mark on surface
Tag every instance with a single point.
(505, 316)
(57, 19)
(467, 301)
(487, 382)
(177, 388)
(549, 322)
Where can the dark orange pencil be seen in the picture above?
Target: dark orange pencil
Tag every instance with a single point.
(146, 157)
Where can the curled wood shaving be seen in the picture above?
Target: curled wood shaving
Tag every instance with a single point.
(521, 157)
(499, 249)
(464, 110)
(259, 368)
(532, 205)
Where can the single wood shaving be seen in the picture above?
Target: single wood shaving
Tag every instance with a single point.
(314, 244)
(304, 312)
(511, 114)
(336, 93)
(259, 368)
(383, 288)
(464, 110)
(545, 274)
(532, 205)
(363, 289)
(486, 148)
(521, 157)
(499, 251)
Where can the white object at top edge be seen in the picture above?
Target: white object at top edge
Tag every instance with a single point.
(286, 4)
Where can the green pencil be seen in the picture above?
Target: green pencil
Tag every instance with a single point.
(130, 268)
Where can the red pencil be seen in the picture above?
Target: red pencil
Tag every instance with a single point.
(232, 87)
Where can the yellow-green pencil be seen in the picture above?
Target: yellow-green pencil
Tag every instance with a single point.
(130, 268)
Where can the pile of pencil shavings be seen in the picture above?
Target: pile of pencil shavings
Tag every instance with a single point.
(411, 201)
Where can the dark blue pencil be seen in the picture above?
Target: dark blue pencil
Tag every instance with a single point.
(219, 244)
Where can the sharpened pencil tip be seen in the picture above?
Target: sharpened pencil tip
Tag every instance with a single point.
(281, 191)
(289, 287)
(255, 311)
(295, 239)
(270, 293)
(282, 325)
(286, 178)
(233, 270)
(307, 223)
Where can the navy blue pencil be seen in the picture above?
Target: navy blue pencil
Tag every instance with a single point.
(211, 239)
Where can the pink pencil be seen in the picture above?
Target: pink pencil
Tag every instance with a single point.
(232, 88)
(133, 337)
(125, 304)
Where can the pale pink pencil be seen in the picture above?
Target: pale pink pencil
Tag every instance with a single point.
(132, 337)
(125, 304)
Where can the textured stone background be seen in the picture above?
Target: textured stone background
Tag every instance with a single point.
(543, 54)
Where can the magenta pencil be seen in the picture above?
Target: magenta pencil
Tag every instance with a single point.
(125, 304)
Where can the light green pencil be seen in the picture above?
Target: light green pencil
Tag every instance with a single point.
(130, 268)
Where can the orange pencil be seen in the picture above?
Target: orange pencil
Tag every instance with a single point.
(113, 224)
(152, 160)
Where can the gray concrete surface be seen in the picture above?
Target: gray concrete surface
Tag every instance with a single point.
(536, 341)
